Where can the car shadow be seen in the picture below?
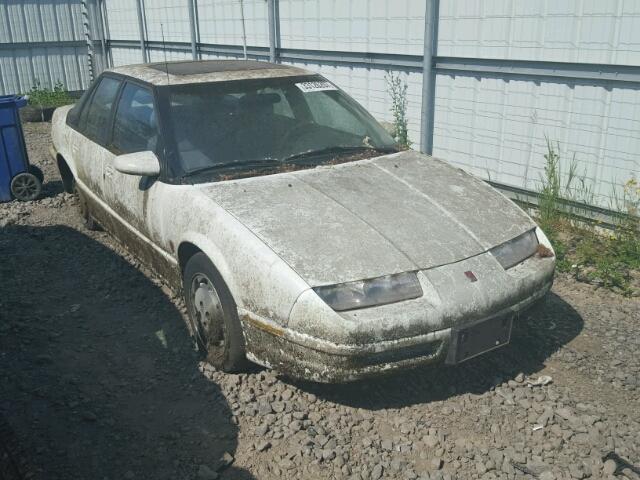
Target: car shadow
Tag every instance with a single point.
(535, 337)
(98, 377)
(51, 188)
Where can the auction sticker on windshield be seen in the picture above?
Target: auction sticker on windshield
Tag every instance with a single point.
(319, 86)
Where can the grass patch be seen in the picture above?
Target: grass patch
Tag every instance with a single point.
(44, 97)
(606, 257)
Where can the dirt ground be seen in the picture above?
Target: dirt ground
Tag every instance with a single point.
(98, 380)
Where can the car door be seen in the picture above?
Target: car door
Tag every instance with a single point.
(88, 148)
(134, 130)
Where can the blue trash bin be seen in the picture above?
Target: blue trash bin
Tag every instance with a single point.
(18, 179)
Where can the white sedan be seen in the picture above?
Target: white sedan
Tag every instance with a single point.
(303, 240)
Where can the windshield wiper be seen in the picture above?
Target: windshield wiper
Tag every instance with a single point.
(241, 164)
(335, 150)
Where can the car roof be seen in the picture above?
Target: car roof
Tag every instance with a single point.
(201, 71)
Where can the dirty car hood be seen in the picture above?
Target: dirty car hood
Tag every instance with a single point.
(400, 212)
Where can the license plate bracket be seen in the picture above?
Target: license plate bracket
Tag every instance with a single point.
(471, 341)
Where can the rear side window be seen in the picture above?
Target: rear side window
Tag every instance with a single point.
(135, 126)
(94, 119)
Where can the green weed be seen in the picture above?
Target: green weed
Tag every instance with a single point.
(611, 260)
(397, 88)
(45, 97)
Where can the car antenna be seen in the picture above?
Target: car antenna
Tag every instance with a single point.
(164, 50)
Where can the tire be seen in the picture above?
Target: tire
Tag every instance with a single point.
(37, 172)
(85, 212)
(26, 187)
(213, 315)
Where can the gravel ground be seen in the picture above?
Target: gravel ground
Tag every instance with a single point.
(98, 380)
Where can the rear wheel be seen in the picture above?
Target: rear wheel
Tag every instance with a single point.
(26, 186)
(213, 316)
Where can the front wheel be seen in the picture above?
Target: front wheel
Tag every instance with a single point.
(213, 315)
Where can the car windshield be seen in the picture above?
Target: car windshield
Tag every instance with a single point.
(244, 123)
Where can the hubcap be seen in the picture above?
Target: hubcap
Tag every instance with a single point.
(25, 186)
(208, 315)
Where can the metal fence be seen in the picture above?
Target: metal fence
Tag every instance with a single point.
(48, 42)
(488, 82)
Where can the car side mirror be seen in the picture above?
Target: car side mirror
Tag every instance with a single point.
(142, 164)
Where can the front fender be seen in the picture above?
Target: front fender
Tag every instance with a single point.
(259, 280)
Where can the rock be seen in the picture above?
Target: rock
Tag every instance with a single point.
(387, 445)
(576, 471)
(610, 467)
(328, 455)
(430, 441)
(226, 460)
(547, 475)
(376, 472)
(205, 473)
(437, 463)
(262, 446)
(264, 408)
(519, 378)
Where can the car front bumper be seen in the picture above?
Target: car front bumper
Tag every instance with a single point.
(310, 358)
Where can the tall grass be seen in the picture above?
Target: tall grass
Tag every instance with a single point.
(611, 260)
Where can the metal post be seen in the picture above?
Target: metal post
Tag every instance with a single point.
(86, 27)
(97, 20)
(244, 31)
(192, 26)
(143, 45)
(271, 6)
(107, 34)
(429, 74)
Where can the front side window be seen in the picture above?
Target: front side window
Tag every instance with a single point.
(135, 127)
(255, 123)
(94, 119)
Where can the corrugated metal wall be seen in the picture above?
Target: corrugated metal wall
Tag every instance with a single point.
(492, 124)
(496, 127)
(378, 26)
(44, 42)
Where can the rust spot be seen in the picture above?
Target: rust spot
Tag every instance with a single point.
(544, 252)
(263, 326)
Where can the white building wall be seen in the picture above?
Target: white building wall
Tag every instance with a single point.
(497, 127)
(122, 17)
(221, 22)
(353, 25)
(23, 66)
(581, 31)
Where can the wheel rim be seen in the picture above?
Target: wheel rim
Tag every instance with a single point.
(207, 313)
(25, 186)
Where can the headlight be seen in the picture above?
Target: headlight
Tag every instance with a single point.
(517, 250)
(367, 293)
